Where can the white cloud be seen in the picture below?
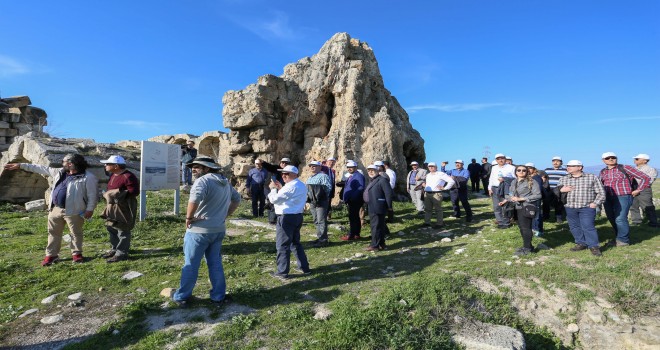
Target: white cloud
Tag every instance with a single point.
(452, 108)
(275, 27)
(10, 66)
(141, 124)
(622, 119)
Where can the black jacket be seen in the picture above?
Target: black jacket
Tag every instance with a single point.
(380, 195)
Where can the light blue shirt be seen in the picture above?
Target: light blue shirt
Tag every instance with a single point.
(212, 193)
(290, 199)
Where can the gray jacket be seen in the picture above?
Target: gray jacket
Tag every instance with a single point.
(81, 193)
(522, 189)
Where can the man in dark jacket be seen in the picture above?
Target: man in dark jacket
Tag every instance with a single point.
(188, 153)
(485, 173)
(120, 212)
(475, 174)
(378, 196)
(352, 196)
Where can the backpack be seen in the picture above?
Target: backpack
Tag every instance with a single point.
(632, 180)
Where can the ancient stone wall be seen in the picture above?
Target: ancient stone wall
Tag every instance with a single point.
(17, 118)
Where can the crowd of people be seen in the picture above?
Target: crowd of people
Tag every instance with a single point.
(520, 193)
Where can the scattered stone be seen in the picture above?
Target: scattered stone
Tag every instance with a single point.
(28, 312)
(49, 299)
(476, 335)
(465, 236)
(532, 305)
(66, 238)
(39, 204)
(25, 218)
(75, 303)
(613, 316)
(459, 251)
(101, 289)
(530, 263)
(573, 328)
(251, 223)
(321, 312)
(167, 292)
(52, 319)
(75, 296)
(603, 303)
(596, 315)
(496, 251)
(390, 267)
(403, 302)
(508, 263)
(446, 240)
(131, 275)
(401, 233)
(424, 252)
(115, 332)
(141, 291)
(358, 255)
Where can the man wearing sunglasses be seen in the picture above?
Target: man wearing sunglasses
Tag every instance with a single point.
(619, 182)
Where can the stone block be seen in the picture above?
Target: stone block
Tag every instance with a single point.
(241, 169)
(39, 204)
(8, 132)
(17, 101)
(4, 125)
(23, 128)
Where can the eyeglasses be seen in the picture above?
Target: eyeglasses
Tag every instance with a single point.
(521, 170)
(196, 166)
(609, 158)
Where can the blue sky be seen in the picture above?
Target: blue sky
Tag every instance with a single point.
(532, 79)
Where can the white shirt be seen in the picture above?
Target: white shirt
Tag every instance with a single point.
(507, 170)
(392, 176)
(290, 199)
(434, 180)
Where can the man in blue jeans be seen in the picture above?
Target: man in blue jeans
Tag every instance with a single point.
(618, 181)
(585, 193)
(212, 199)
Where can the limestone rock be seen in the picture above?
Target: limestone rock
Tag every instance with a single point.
(52, 319)
(131, 275)
(167, 292)
(49, 299)
(321, 312)
(75, 296)
(28, 312)
(476, 335)
(39, 204)
(331, 104)
(573, 328)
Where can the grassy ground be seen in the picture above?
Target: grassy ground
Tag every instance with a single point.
(405, 297)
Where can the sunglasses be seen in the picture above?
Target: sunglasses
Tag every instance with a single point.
(609, 158)
(521, 170)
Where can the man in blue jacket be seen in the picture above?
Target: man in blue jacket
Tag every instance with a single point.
(255, 184)
(352, 196)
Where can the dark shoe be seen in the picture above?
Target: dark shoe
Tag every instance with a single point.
(77, 258)
(280, 277)
(427, 224)
(109, 254)
(301, 272)
(468, 219)
(49, 260)
(578, 247)
(503, 227)
(320, 243)
(181, 303)
(596, 251)
(117, 258)
(382, 247)
(346, 238)
(228, 299)
(523, 251)
(372, 249)
(615, 243)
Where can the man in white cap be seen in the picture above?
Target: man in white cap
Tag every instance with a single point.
(433, 194)
(289, 201)
(255, 184)
(378, 196)
(121, 209)
(554, 174)
(212, 199)
(501, 174)
(460, 191)
(275, 170)
(485, 173)
(352, 196)
(318, 196)
(585, 193)
(73, 197)
(412, 181)
(508, 160)
(620, 182)
(644, 201)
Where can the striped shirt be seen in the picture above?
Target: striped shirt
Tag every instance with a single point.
(616, 183)
(321, 179)
(554, 175)
(649, 171)
(587, 189)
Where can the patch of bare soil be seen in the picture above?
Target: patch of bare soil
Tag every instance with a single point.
(594, 325)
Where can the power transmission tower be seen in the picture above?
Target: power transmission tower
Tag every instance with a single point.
(487, 151)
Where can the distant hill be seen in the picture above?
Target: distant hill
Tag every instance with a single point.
(595, 169)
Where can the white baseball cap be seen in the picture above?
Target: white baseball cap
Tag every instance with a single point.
(643, 156)
(118, 160)
(499, 155)
(507, 157)
(459, 161)
(433, 164)
(379, 163)
(373, 166)
(289, 169)
(315, 162)
(414, 163)
(351, 164)
(574, 162)
(257, 161)
(608, 154)
(556, 158)
(531, 165)
(285, 160)
(332, 158)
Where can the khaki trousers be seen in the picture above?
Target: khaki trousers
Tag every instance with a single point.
(56, 221)
(433, 201)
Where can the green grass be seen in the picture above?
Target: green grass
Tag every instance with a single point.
(405, 297)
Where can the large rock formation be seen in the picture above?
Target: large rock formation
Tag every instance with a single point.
(18, 118)
(332, 104)
(20, 186)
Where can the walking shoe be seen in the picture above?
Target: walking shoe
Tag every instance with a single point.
(372, 249)
(578, 247)
(523, 251)
(300, 271)
(109, 254)
(181, 303)
(595, 251)
(615, 243)
(227, 299)
(280, 277)
(349, 238)
(49, 260)
(77, 258)
(503, 227)
(117, 258)
(320, 243)
(382, 247)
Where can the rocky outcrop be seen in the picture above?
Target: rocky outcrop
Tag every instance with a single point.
(20, 186)
(18, 118)
(331, 104)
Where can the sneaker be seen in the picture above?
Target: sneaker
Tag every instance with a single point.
(523, 251)
(227, 299)
(596, 251)
(49, 260)
(280, 277)
(117, 258)
(616, 243)
(302, 272)
(77, 258)
(578, 247)
(109, 254)
(503, 227)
